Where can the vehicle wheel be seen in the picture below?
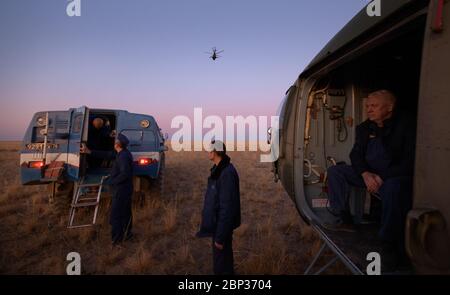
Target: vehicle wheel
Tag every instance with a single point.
(63, 197)
(64, 189)
(156, 186)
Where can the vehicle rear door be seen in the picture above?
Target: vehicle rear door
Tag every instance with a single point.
(78, 134)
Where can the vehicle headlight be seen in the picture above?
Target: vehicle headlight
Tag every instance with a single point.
(41, 121)
(145, 123)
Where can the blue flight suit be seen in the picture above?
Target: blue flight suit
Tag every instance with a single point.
(121, 182)
(389, 153)
(221, 214)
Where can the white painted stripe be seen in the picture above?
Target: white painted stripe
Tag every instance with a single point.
(74, 159)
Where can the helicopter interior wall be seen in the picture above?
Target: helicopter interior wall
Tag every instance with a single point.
(327, 143)
(395, 66)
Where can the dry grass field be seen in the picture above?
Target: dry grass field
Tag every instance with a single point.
(271, 240)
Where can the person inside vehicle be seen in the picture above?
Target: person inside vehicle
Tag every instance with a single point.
(99, 138)
(382, 161)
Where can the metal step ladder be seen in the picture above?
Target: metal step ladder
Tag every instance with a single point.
(82, 198)
(327, 243)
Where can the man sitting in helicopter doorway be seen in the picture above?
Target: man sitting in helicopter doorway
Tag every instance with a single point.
(382, 161)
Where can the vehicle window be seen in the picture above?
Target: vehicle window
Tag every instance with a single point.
(150, 139)
(134, 136)
(77, 123)
(281, 110)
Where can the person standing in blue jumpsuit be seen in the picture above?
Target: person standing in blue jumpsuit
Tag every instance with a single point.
(121, 182)
(382, 161)
(221, 210)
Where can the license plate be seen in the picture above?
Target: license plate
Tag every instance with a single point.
(40, 146)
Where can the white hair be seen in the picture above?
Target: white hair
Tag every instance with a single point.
(385, 94)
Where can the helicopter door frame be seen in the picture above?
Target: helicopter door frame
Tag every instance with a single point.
(299, 145)
(300, 197)
(428, 221)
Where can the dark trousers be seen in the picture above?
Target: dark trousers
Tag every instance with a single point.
(121, 218)
(223, 263)
(395, 193)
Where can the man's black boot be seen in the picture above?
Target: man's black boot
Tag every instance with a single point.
(343, 224)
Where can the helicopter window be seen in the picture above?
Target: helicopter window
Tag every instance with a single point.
(282, 107)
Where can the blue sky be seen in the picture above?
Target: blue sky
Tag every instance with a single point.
(148, 56)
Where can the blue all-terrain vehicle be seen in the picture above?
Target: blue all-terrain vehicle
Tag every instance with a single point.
(50, 153)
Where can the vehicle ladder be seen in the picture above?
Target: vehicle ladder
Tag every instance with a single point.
(85, 195)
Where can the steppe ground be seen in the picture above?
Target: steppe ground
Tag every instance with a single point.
(271, 240)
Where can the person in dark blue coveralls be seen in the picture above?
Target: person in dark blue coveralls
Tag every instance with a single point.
(121, 182)
(221, 210)
(382, 162)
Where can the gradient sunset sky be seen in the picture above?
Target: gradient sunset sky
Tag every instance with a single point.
(147, 56)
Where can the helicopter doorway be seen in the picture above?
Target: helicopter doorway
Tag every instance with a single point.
(335, 106)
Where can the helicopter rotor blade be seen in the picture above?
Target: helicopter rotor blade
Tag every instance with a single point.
(220, 51)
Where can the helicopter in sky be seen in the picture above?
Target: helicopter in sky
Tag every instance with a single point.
(214, 54)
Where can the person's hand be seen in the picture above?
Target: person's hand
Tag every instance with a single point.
(218, 246)
(373, 182)
(84, 149)
(379, 181)
(113, 133)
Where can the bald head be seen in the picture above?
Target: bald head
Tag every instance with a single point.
(380, 106)
(98, 123)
